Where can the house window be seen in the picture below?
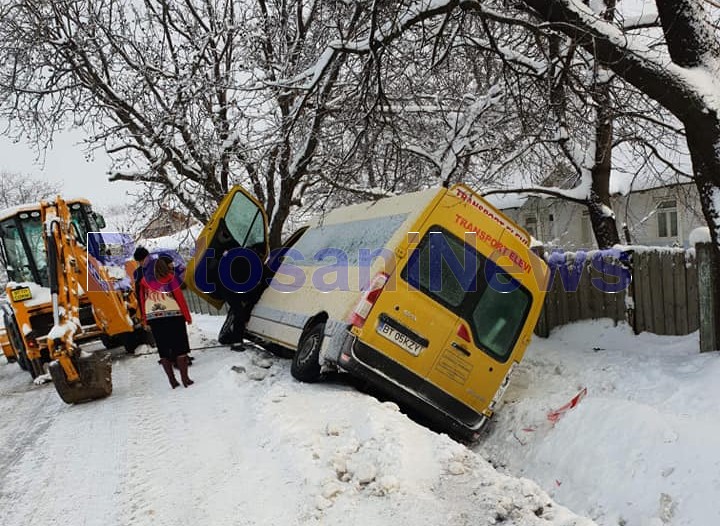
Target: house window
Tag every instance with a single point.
(667, 219)
(531, 225)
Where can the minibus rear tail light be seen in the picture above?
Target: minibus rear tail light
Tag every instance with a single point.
(370, 296)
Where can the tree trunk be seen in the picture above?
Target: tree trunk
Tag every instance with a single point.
(704, 144)
(601, 217)
(278, 219)
(692, 43)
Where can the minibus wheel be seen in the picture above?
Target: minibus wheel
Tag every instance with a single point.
(306, 361)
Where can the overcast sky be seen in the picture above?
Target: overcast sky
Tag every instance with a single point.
(66, 162)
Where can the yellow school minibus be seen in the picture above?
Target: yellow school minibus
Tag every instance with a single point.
(431, 296)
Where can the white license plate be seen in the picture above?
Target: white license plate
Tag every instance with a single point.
(400, 339)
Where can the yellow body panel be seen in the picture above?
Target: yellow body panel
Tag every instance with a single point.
(7, 348)
(461, 369)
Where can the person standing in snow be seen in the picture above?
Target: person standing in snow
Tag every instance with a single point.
(141, 254)
(164, 309)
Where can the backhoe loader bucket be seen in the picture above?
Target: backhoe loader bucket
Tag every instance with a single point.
(95, 371)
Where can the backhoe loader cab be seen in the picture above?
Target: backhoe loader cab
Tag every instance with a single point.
(22, 249)
(54, 298)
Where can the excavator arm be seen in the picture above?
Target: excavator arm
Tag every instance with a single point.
(77, 375)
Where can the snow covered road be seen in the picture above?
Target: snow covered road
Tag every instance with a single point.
(245, 445)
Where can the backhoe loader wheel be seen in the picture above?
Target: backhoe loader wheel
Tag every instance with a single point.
(132, 340)
(23, 361)
(95, 371)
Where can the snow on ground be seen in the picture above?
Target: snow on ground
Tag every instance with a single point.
(642, 448)
(245, 445)
(249, 445)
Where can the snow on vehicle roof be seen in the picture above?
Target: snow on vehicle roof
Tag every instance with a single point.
(404, 203)
(29, 207)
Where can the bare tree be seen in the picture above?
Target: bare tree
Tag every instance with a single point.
(678, 67)
(495, 97)
(188, 97)
(18, 189)
(680, 70)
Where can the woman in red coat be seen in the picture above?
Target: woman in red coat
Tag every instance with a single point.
(164, 308)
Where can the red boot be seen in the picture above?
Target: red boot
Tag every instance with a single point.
(168, 367)
(182, 363)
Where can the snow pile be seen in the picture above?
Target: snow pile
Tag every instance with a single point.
(639, 449)
(182, 241)
(249, 445)
(364, 462)
(699, 235)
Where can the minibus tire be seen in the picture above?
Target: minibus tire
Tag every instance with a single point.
(306, 361)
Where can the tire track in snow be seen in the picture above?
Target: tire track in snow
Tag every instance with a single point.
(26, 410)
(68, 473)
(149, 467)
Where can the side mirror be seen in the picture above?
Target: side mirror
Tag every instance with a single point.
(100, 220)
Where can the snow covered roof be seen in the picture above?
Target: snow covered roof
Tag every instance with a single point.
(184, 239)
(506, 201)
(623, 184)
(29, 207)
(413, 201)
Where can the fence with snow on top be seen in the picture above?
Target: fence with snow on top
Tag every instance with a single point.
(662, 297)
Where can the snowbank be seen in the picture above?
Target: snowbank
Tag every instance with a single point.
(639, 449)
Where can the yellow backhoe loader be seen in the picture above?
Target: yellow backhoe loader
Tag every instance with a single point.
(60, 295)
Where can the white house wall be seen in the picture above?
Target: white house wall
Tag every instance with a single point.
(566, 224)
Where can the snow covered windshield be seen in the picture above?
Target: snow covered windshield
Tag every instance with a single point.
(492, 302)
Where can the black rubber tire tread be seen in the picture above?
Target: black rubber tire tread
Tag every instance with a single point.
(23, 361)
(136, 338)
(95, 372)
(35, 367)
(306, 360)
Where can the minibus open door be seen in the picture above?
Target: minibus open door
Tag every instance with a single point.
(230, 255)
